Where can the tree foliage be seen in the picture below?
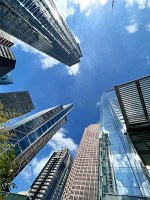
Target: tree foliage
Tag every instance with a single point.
(7, 153)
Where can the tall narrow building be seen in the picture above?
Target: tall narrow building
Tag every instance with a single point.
(122, 174)
(7, 58)
(83, 178)
(16, 103)
(39, 24)
(32, 133)
(51, 181)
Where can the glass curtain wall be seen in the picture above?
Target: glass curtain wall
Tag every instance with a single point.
(130, 174)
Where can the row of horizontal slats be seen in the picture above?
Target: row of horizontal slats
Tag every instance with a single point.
(135, 97)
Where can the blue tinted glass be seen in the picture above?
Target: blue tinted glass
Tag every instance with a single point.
(44, 127)
(32, 137)
(19, 135)
(39, 132)
(52, 121)
(24, 143)
(28, 129)
(49, 124)
(12, 141)
(17, 149)
(21, 128)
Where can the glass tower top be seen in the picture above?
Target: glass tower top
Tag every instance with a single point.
(39, 24)
(32, 133)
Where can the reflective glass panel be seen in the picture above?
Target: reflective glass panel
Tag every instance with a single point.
(24, 143)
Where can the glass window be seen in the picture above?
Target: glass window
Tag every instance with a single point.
(17, 149)
(39, 132)
(49, 124)
(52, 121)
(44, 127)
(19, 135)
(21, 128)
(28, 129)
(32, 137)
(24, 143)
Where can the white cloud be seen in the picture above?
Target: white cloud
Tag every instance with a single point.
(59, 141)
(74, 69)
(68, 7)
(148, 27)
(133, 28)
(140, 3)
(103, 2)
(98, 104)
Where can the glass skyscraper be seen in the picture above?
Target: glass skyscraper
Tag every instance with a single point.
(50, 183)
(39, 24)
(133, 98)
(16, 103)
(127, 176)
(32, 133)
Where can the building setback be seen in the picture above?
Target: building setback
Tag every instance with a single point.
(32, 133)
(83, 178)
(50, 183)
(16, 103)
(39, 24)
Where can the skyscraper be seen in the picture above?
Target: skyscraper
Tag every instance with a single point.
(16, 103)
(32, 133)
(133, 98)
(7, 58)
(39, 24)
(83, 178)
(128, 177)
(51, 181)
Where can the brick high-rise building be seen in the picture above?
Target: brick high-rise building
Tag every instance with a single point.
(83, 178)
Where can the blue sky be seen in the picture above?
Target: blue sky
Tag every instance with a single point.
(115, 47)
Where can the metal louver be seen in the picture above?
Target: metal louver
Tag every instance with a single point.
(134, 101)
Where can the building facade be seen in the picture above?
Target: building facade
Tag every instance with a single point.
(32, 133)
(129, 177)
(133, 98)
(39, 24)
(50, 183)
(16, 103)
(7, 58)
(83, 178)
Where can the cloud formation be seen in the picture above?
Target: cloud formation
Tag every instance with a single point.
(68, 7)
(140, 3)
(58, 142)
(133, 28)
